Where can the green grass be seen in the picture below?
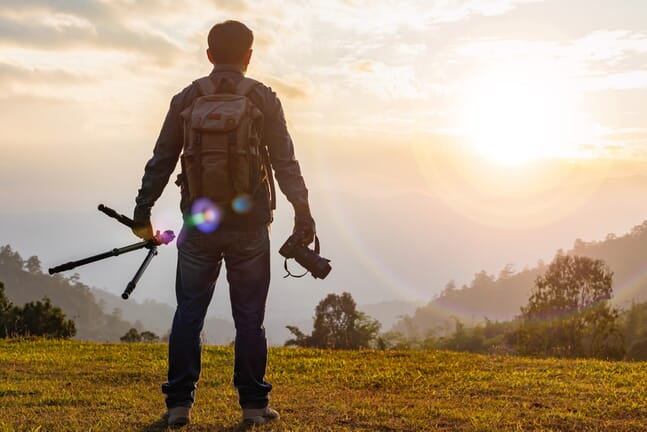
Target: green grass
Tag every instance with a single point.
(79, 386)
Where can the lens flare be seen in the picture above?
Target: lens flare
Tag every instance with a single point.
(205, 215)
(242, 204)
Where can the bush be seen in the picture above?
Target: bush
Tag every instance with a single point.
(148, 336)
(39, 318)
(638, 351)
(131, 336)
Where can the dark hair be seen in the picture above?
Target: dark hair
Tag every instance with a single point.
(229, 42)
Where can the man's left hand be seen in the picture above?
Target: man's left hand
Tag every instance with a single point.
(305, 226)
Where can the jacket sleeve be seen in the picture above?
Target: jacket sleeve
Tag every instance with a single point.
(165, 156)
(285, 165)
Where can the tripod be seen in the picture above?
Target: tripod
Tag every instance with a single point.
(160, 238)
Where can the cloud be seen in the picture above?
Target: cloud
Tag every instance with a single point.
(596, 46)
(352, 77)
(80, 24)
(610, 45)
(387, 62)
(457, 10)
(236, 6)
(295, 88)
(10, 73)
(87, 8)
(19, 83)
(601, 60)
(390, 16)
(617, 81)
(634, 135)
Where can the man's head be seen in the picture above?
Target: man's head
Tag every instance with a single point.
(230, 42)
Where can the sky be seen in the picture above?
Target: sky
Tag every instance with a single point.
(438, 138)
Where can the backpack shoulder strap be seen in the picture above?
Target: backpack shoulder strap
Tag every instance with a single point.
(206, 85)
(245, 86)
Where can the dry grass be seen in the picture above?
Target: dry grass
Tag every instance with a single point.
(79, 386)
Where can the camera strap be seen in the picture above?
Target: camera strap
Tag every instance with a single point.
(285, 262)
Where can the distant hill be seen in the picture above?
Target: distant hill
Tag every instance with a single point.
(25, 281)
(157, 317)
(98, 314)
(500, 297)
(154, 316)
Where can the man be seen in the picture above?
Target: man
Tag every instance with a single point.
(241, 240)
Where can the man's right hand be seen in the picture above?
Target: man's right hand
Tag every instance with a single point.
(143, 230)
(142, 227)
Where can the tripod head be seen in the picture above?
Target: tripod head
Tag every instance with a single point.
(158, 239)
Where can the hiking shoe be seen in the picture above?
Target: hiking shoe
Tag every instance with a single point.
(177, 416)
(259, 415)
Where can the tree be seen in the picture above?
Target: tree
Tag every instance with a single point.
(334, 322)
(396, 340)
(482, 280)
(33, 265)
(300, 339)
(568, 313)
(131, 336)
(506, 272)
(5, 310)
(638, 351)
(634, 323)
(41, 318)
(24, 282)
(464, 339)
(366, 330)
(148, 336)
(337, 325)
(450, 288)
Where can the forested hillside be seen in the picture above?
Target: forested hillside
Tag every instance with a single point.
(98, 314)
(25, 281)
(499, 297)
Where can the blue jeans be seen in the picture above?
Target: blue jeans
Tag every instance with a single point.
(247, 260)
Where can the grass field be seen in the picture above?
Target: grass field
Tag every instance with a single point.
(60, 386)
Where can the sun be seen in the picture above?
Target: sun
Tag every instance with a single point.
(521, 113)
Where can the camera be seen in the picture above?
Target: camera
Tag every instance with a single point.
(310, 259)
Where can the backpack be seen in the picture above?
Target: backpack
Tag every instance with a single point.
(223, 157)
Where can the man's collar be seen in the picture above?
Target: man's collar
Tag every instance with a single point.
(228, 68)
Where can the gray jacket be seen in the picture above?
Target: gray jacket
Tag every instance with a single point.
(275, 136)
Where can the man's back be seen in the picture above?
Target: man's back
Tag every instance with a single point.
(242, 242)
(275, 137)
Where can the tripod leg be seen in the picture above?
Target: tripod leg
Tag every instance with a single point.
(112, 253)
(133, 283)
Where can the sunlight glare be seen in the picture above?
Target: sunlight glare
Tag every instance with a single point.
(521, 113)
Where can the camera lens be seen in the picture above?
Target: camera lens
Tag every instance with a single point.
(311, 261)
(321, 269)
